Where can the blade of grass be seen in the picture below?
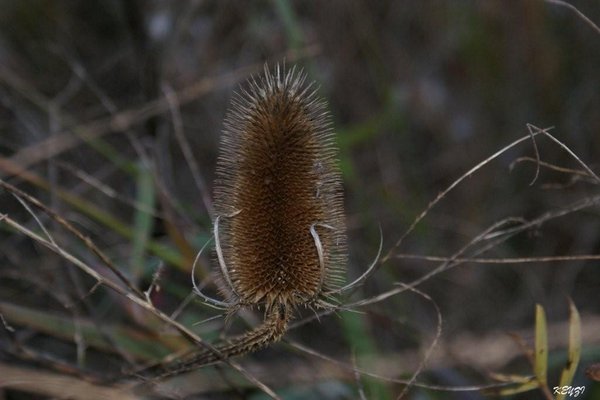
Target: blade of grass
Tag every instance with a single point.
(509, 378)
(520, 388)
(567, 374)
(143, 221)
(540, 358)
(541, 345)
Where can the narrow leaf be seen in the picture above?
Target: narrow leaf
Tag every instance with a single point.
(568, 372)
(143, 220)
(541, 346)
(531, 384)
(508, 378)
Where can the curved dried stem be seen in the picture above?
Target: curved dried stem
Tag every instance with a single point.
(579, 13)
(432, 345)
(320, 251)
(319, 247)
(570, 171)
(537, 157)
(220, 256)
(504, 260)
(367, 273)
(35, 217)
(535, 130)
(184, 145)
(220, 305)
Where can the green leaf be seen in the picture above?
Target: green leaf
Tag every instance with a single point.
(520, 388)
(568, 372)
(143, 220)
(508, 378)
(541, 346)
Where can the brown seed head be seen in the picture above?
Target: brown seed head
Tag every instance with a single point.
(277, 178)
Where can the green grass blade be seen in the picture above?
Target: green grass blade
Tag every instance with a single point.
(541, 346)
(143, 220)
(568, 372)
(520, 388)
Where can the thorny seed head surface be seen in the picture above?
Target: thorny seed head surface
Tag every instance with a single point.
(279, 229)
(277, 177)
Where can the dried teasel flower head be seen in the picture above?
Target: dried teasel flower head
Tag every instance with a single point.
(278, 191)
(279, 228)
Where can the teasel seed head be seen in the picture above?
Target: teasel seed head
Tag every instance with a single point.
(279, 227)
(278, 195)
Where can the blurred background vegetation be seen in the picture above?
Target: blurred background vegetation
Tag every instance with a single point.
(104, 104)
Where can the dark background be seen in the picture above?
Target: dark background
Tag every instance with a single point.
(419, 92)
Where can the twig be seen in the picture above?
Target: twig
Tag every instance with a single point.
(106, 189)
(567, 149)
(432, 345)
(553, 167)
(6, 325)
(537, 155)
(173, 102)
(507, 260)
(154, 284)
(35, 217)
(359, 384)
(579, 13)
